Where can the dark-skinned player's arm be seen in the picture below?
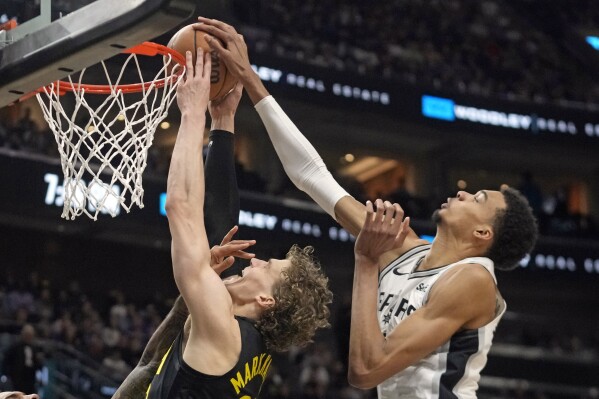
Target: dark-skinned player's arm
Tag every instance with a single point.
(464, 297)
(221, 207)
(301, 161)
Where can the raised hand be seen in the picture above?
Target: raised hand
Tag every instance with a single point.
(223, 110)
(223, 255)
(231, 48)
(193, 92)
(382, 231)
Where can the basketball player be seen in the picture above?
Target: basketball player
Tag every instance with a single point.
(224, 350)
(438, 305)
(222, 194)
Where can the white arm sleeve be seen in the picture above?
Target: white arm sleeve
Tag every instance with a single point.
(300, 160)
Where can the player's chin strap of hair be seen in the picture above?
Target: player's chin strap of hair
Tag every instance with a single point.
(300, 160)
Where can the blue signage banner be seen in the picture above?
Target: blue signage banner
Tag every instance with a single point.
(426, 105)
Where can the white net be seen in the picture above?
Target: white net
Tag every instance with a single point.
(104, 148)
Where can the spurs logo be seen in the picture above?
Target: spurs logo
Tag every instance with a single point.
(421, 287)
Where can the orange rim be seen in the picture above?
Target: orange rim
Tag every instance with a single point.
(146, 48)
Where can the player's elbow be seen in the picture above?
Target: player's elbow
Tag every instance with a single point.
(360, 377)
(175, 204)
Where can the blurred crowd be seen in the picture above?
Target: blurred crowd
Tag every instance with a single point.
(581, 16)
(477, 47)
(112, 330)
(490, 48)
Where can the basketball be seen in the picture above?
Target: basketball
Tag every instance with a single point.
(189, 39)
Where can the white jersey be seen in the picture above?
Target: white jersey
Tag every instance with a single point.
(453, 369)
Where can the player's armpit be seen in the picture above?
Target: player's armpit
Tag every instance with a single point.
(463, 299)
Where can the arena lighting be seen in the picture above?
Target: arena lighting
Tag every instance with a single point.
(55, 193)
(593, 41)
(165, 125)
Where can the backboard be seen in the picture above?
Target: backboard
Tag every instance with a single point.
(49, 44)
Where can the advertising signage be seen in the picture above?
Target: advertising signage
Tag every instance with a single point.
(33, 197)
(409, 102)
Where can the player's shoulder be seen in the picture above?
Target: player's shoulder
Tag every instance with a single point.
(465, 292)
(467, 280)
(468, 273)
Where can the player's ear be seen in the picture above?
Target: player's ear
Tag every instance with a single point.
(265, 301)
(483, 232)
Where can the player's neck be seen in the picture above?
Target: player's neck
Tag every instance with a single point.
(447, 249)
(248, 310)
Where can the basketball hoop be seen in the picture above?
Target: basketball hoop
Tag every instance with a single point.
(104, 148)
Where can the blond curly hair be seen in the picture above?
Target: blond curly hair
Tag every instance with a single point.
(301, 303)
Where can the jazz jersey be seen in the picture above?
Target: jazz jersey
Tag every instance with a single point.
(175, 379)
(453, 369)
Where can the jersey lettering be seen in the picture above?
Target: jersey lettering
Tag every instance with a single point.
(404, 309)
(259, 367)
(384, 302)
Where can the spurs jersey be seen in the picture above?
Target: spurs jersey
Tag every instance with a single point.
(452, 370)
(175, 379)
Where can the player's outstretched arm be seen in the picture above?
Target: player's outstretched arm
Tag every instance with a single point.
(301, 161)
(180, 191)
(204, 292)
(221, 206)
(223, 198)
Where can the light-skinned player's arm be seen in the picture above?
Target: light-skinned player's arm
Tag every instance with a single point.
(224, 204)
(463, 298)
(301, 161)
(219, 341)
